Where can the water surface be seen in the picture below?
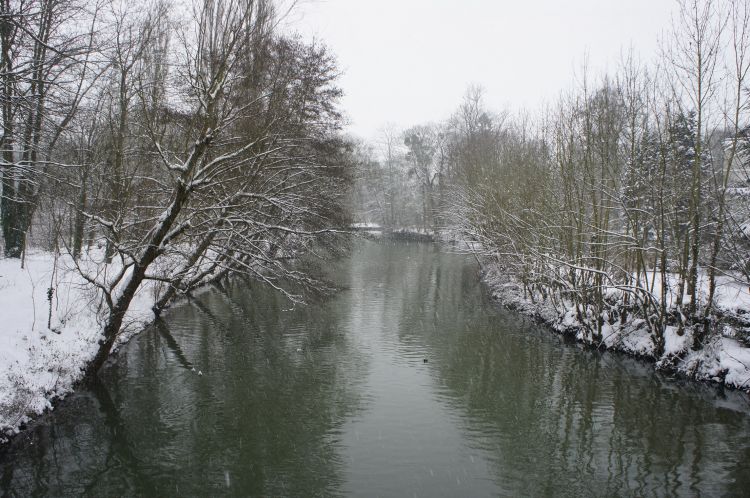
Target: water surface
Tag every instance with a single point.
(409, 382)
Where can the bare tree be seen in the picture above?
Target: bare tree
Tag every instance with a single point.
(694, 57)
(45, 70)
(422, 145)
(737, 105)
(244, 173)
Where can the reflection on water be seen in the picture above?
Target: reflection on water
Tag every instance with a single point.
(409, 382)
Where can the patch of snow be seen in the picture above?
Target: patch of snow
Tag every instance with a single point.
(675, 344)
(44, 345)
(722, 360)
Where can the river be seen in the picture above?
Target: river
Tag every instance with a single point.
(408, 382)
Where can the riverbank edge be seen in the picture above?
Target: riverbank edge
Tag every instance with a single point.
(710, 364)
(703, 365)
(86, 329)
(404, 235)
(9, 432)
(722, 361)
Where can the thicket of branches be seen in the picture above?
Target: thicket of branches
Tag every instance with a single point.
(177, 143)
(628, 199)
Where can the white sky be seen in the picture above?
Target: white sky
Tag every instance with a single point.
(409, 62)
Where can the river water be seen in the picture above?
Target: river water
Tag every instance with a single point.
(409, 382)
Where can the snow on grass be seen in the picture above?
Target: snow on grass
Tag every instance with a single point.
(40, 361)
(722, 359)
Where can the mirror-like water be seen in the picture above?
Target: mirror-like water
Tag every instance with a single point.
(336, 398)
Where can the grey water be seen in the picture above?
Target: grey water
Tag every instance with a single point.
(410, 381)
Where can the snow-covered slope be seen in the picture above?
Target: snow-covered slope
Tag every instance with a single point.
(44, 344)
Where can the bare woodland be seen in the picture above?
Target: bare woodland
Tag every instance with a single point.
(626, 200)
(173, 142)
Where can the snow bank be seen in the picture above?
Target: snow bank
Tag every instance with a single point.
(44, 345)
(724, 359)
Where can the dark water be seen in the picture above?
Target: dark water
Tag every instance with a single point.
(336, 399)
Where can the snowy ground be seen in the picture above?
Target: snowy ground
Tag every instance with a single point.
(724, 359)
(41, 357)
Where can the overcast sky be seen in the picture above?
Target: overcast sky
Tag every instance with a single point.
(410, 61)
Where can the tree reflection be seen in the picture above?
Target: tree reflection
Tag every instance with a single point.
(564, 420)
(243, 426)
(237, 392)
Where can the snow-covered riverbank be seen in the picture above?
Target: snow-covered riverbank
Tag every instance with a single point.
(45, 344)
(724, 359)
